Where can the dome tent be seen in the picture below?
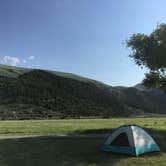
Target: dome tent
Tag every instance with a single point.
(131, 140)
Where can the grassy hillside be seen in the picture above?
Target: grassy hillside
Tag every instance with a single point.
(38, 94)
(14, 72)
(11, 71)
(43, 94)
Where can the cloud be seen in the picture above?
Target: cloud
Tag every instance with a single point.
(31, 57)
(10, 60)
(24, 61)
(14, 61)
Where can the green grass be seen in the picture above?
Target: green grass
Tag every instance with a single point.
(12, 71)
(44, 151)
(76, 126)
(80, 78)
(70, 152)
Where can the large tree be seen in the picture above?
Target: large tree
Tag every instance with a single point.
(150, 51)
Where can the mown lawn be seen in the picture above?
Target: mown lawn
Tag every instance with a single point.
(76, 126)
(45, 151)
(70, 152)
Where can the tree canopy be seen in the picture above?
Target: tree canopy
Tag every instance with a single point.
(150, 51)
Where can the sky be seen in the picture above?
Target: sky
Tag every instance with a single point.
(84, 37)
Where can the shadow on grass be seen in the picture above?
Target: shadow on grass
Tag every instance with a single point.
(67, 151)
(94, 131)
(54, 152)
(158, 135)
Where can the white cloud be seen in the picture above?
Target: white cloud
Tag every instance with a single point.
(10, 60)
(31, 57)
(24, 61)
(14, 61)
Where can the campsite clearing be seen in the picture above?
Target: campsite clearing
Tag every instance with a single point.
(70, 152)
(74, 151)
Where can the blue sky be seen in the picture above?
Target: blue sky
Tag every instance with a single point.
(84, 37)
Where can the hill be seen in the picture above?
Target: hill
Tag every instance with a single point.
(14, 72)
(40, 94)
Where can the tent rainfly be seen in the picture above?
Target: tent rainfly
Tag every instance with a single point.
(131, 139)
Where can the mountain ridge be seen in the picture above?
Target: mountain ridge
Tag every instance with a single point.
(43, 94)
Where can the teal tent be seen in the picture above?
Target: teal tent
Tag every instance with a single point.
(131, 140)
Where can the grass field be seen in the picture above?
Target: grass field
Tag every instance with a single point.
(40, 151)
(76, 126)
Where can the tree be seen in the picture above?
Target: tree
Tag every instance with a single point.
(150, 51)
